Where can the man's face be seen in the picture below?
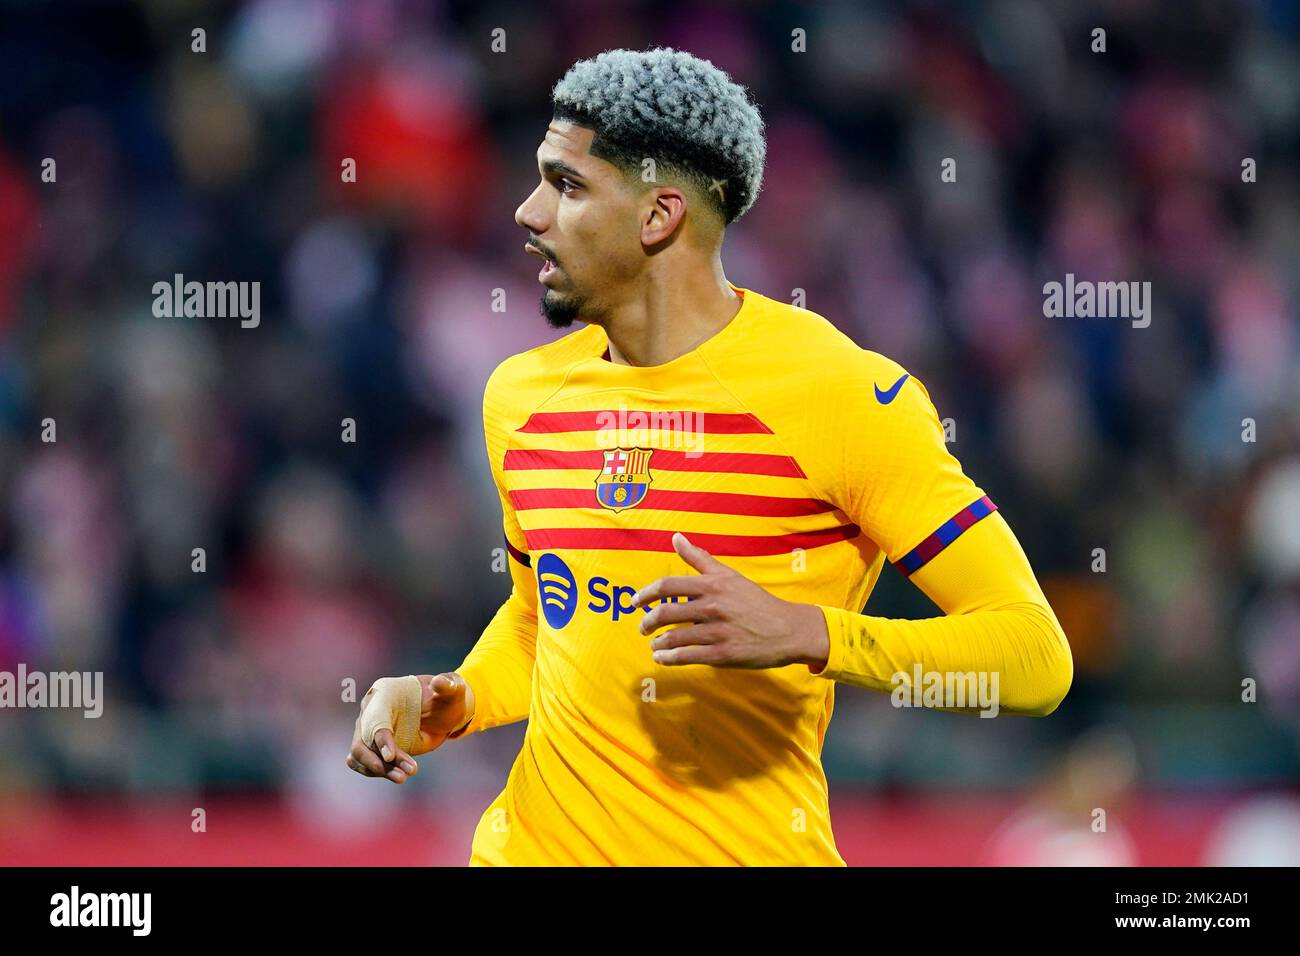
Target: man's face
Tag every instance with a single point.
(582, 220)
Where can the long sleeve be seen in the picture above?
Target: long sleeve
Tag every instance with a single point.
(892, 473)
(499, 668)
(998, 622)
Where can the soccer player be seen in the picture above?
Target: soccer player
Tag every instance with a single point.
(700, 487)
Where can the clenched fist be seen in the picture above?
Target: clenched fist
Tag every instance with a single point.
(446, 705)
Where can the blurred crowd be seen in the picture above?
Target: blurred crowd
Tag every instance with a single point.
(1152, 474)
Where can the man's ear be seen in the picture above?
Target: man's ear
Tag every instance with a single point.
(664, 216)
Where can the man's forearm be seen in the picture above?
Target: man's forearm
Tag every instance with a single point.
(498, 672)
(1020, 643)
(998, 622)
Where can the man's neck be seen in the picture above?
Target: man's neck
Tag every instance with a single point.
(667, 319)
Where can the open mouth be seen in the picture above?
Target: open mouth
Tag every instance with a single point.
(549, 265)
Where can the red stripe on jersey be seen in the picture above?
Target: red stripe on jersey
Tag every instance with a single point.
(722, 462)
(704, 502)
(713, 423)
(646, 539)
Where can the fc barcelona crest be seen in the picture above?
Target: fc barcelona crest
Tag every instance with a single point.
(624, 479)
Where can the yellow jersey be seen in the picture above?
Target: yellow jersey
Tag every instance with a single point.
(795, 457)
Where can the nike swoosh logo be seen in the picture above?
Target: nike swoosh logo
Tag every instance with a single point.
(884, 398)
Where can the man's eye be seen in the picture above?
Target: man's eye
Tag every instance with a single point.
(567, 185)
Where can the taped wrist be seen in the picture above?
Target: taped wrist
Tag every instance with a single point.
(393, 704)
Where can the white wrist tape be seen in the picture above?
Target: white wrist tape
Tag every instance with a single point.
(394, 705)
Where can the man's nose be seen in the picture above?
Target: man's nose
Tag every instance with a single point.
(530, 214)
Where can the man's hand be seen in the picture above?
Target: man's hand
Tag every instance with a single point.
(730, 621)
(446, 704)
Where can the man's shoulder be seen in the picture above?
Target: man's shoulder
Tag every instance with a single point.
(526, 377)
(805, 346)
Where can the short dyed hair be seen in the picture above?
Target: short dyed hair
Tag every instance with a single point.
(675, 108)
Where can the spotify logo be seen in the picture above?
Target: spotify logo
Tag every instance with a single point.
(557, 590)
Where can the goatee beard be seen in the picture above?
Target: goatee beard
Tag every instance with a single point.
(560, 312)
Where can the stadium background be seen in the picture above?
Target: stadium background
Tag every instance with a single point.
(329, 560)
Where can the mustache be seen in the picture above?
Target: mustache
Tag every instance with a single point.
(543, 250)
